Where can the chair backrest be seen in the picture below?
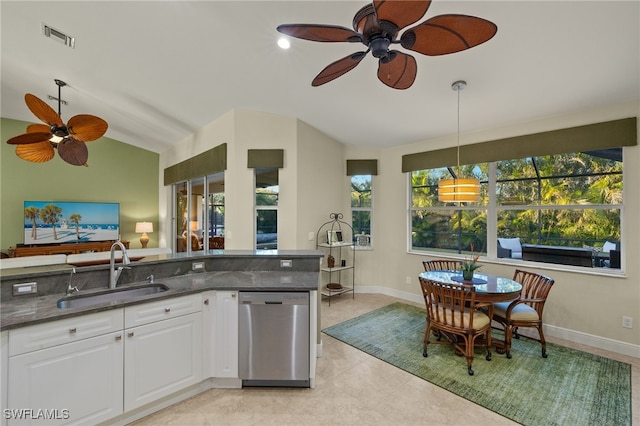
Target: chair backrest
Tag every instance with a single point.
(441, 265)
(216, 243)
(449, 305)
(535, 288)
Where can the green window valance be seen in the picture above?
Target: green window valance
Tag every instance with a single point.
(362, 167)
(265, 158)
(591, 137)
(206, 163)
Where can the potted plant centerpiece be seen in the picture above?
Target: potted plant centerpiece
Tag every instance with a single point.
(468, 267)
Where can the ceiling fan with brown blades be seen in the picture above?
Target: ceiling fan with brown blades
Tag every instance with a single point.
(377, 25)
(40, 141)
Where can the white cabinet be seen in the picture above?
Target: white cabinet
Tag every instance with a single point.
(161, 358)
(225, 334)
(4, 369)
(163, 349)
(73, 383)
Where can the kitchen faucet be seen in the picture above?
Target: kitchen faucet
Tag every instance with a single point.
(114, 273)
(71, 289)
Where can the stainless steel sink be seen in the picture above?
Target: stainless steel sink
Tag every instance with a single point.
(122, 294)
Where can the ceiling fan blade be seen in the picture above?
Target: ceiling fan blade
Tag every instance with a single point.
(29, 138)
(401, 13)
(42, 110)
(85, 127)
(38, 128)
(399, 72)
(319, 32)
(338, 68)
(36, 152)
(73, 151)
(446, 34)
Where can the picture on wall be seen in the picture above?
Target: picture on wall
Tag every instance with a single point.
(55, 222)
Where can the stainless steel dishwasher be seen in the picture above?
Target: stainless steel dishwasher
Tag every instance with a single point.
(273, 338)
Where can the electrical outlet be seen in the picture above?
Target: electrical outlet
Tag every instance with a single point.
(311, 236)
(197, 266)
(627, 322)
(288, 263)
(408, 280)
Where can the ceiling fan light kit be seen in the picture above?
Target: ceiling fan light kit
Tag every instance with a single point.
(459, 190)
(377, 26)
(38, 143)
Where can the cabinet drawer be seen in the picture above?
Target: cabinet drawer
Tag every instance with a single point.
(41, 336)
(160, 310)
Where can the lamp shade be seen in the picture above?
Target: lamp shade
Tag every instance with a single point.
(142, 227)
(459, 190)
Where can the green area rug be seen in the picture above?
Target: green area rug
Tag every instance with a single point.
(569, 387)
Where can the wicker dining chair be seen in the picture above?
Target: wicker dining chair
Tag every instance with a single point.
(525, 311)
(451, 310)
(441, 265)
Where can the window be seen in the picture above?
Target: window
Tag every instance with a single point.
(199, 213)
(569, 202)
(437, 226)
(361, 209)
(267, 192)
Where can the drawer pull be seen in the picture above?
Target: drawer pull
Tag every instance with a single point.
(72, 330)
(118, 337)
(167, 310)
(233, 295)
(206, 301)
(130, 334)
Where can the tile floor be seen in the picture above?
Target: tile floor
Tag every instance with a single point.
(352, 388)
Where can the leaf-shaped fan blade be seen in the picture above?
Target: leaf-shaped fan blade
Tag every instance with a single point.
(399, 72)
(446, 34)
(73, 151)
(85, 127)
(338, 68)
(29, 138)
(38, 128)
(401, 13)
(35, 152)
(319, 32)
(42, 110)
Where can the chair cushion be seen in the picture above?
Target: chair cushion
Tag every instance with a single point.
(480, 319)
(522, 311)
(608, 246)
(512, 244)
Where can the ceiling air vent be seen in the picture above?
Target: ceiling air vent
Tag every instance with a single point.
(58, 35)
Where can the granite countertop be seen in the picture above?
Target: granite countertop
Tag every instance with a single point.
(34, 310)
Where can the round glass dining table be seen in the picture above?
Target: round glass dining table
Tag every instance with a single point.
(489, 288)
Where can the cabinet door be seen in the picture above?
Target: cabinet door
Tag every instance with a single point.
(225, 334)
(78, 383)
(162, 358)
(208, 352)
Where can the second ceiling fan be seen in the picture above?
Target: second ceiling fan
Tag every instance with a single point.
(377, 25)
(38, 143)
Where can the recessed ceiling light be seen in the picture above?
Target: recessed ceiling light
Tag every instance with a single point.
(284, 43)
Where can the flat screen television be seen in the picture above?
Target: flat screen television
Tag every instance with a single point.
(56, 222)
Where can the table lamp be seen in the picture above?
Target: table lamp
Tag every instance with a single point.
(143, 228)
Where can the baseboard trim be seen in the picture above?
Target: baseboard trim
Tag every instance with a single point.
(611, 345)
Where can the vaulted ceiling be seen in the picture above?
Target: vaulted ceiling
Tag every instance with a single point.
(159, 71)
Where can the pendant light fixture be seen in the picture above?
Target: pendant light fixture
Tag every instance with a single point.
(459, 190)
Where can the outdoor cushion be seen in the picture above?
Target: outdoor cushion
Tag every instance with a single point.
(512, 244)
(608, 246)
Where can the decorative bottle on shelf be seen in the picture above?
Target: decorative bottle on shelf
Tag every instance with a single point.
(331, 261)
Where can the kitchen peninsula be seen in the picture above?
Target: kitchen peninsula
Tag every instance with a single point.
(153, 350)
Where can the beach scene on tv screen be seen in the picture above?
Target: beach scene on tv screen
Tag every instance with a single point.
(54, 222)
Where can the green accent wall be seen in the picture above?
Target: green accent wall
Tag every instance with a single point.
(117, 172)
